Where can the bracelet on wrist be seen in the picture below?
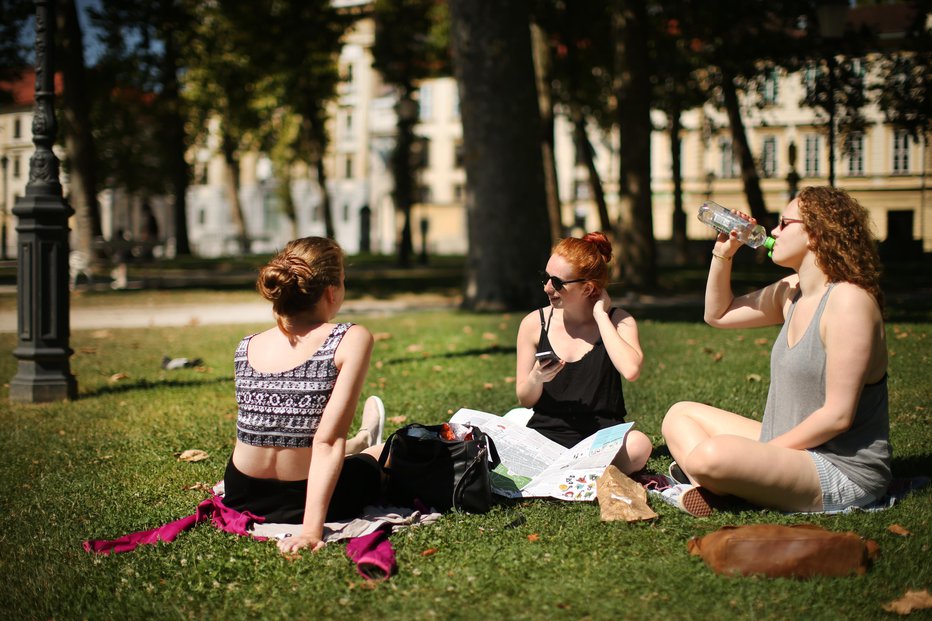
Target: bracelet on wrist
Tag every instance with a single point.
(721, 256)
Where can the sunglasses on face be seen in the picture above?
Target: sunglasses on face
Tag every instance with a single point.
(785, 222)
(557, 282)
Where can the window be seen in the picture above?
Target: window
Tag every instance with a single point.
(17, 128)
(348, 167)
(768, 158)
(809, 79)
(426, 101)
(811, 155)
(459, 155)
(16, 167)
(348, 123)
(581, 190)
(458, 192)
(348, 75)
(424, 194)
(456, 104)
(900, 153)
(854, 150)
(770, 88)
(728, 159)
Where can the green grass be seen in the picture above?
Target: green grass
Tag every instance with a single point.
(105, 465)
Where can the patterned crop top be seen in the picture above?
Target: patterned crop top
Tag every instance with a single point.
(284, 409)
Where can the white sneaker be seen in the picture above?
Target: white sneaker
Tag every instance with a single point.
(373, 420)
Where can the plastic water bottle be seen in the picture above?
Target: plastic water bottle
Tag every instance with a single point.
(725, 221)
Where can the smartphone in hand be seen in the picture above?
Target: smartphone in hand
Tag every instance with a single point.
(547, 357)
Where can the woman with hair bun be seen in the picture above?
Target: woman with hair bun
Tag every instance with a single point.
(578, 390)
(297, 387)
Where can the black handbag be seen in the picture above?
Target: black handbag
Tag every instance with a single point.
(440, 473)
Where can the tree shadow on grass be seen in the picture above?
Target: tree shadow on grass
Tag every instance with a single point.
(912, 465)
(495, 350)
(144, 384)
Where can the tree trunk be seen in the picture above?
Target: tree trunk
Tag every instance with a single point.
(509, 232)
(584, 149)
(679, 216)
(79, 142)
(329, 229)
(742, 149)
(176, 137)
(636, 253)
(231, 183)
(402, 173)
(541, 55)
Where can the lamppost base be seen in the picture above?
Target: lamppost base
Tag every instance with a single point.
(33, 384)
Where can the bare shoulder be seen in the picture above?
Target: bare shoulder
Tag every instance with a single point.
(531, 319)
(848, 298)
(358, 334)
(621, 316)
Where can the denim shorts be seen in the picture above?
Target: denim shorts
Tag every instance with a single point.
(838, 491)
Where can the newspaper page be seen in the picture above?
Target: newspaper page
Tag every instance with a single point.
(533, 466)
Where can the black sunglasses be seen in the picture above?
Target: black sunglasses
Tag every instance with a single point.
(785, 222)
(558, 283)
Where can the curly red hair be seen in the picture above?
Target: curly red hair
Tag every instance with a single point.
(840, 236)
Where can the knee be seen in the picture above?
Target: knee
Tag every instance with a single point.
(711, 460)
(674, 416)
(639, 448)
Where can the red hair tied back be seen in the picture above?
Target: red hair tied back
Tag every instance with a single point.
(601, 243)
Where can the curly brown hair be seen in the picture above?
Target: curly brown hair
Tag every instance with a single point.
(840, 235)
(295, 279)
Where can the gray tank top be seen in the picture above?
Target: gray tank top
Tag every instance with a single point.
(797, 389)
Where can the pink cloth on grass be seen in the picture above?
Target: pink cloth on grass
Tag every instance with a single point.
(221, 516)
(373, 554)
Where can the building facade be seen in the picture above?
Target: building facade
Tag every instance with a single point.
(882, 167)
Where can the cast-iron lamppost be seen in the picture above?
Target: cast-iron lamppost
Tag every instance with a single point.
(4, 162)
(831, 15)
(42, 247)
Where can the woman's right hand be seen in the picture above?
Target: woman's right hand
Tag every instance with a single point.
(543, 373)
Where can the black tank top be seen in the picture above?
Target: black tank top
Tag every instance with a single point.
(584, 397)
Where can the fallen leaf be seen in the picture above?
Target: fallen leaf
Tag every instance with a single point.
(467, 329)
(116, 377)
(379, 364)
(753, 377)
(761, 341)
(740, 338)
(381, 336)
(913, 600)
(690, 341)
(509, 380)
(533, 537)
(437, 368)
(896, 529)
(88, 350)
(413, 347)
(193, 455)
(101, 334)
(484, 356)
(717, 356)
(488, 385)
(397, 420)
(200, 486)
(429, 552)
(489, 336)
(902, 335)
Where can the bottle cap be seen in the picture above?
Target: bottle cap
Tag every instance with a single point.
(768, 244)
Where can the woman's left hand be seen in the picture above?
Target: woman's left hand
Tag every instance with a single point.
(290, 545)
(602, 305)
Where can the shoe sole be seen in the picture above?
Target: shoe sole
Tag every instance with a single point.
(695, 501)
(676, 473)
(380, 408)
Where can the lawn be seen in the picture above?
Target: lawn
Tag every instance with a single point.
(106, 464)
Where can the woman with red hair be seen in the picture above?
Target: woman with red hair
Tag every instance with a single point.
(578, 390)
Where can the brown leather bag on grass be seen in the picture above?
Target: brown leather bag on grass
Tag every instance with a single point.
(801, 551)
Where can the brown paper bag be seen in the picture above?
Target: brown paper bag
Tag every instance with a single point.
(620, 498)
(778, 551)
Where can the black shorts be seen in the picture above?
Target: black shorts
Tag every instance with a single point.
(282, 502)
